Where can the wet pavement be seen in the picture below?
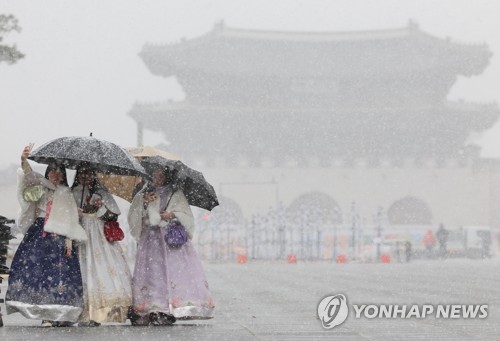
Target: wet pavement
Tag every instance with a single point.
(278, 301)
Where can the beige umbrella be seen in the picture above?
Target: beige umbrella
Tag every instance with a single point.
(146, 151)
(120, 185)
(125, 186)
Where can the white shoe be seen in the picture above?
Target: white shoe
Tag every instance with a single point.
(46, 324)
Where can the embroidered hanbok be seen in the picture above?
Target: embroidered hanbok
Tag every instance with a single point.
(167, 280)
(105, 272)
(44, 283)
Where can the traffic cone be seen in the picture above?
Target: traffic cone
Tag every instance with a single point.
(241, 259)
(341, 258)
(292, 259)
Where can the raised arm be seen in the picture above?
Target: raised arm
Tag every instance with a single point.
(24, 159)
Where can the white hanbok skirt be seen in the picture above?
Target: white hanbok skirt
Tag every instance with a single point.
(106, 276)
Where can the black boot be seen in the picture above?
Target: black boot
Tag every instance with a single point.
(166, 319)
(154, 319)
(136, 319)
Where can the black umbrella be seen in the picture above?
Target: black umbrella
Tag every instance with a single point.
(196, 188)
(103, 156)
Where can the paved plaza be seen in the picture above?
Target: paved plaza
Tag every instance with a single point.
(278, 301)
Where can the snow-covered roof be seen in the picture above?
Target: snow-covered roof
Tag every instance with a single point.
(242, 52)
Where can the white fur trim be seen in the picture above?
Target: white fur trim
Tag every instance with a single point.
(153, 212)
(26, 214)
(179, 205)
(108, 204)
(135, 215)
(63, 218)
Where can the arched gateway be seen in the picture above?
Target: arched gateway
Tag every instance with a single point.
(409, 211)
(359, 116)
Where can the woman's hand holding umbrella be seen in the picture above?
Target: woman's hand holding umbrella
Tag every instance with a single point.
(97, 202)
(166, 215)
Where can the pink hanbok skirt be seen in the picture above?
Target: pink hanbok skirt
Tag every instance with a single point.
(170, 281)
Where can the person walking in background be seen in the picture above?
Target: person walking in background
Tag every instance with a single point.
(408, 251)
(45, 282)
(105, 272)
(429, 241)
(442, 238)
(485, 243)
(169, 282)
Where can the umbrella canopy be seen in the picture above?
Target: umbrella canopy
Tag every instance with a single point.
(104, 156)
(126, 186)
(148, 151)
(196, 188)
(123, 186)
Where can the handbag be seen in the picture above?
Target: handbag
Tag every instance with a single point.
(113, 231)
(176, 235)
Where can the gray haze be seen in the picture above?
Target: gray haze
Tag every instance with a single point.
(82, 72)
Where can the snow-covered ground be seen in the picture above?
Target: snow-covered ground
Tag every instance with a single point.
(278, 301)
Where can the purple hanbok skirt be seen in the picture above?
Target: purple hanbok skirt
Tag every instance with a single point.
(170, 281)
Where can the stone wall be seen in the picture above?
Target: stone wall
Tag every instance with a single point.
(454, 195)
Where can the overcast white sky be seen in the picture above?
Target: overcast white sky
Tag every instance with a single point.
(82, 72)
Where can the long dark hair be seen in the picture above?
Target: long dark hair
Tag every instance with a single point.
(94, 186)
(53, 166)
(170, 179)
(170, 175)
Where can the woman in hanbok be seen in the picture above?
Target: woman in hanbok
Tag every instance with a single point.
(45, 282)
(105, 272)
(169, 283)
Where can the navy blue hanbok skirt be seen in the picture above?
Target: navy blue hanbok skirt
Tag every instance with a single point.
(45, 284)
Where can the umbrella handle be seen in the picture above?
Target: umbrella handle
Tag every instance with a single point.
(83, 191)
